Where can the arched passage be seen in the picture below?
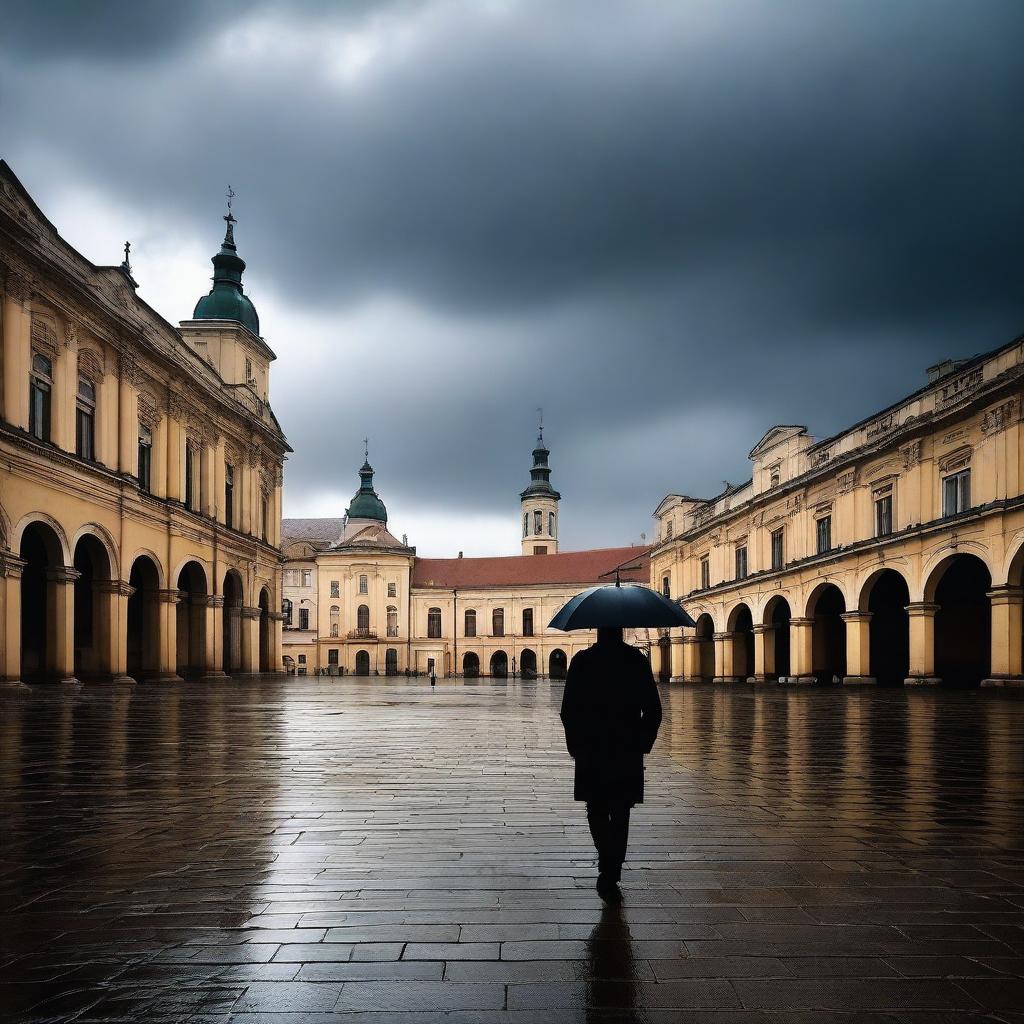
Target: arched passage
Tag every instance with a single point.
(741, 626)
(886, 596)
(232, 622)
(93, 596)
(528, 664)
(776, 639)
(557, 664)
(191, 620)
(264, 638)
(828, 639)
(470, 665)
(44, 607)
(362, 663)
(144, 619)
(499, 665)
(963, 620)
(705, 633)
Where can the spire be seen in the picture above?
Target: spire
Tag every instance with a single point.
(365, 502)
(229, 234)
(540, 473)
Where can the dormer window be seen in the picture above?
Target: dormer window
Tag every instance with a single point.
(776, 478)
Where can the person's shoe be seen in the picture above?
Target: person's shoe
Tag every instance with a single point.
(608, 889)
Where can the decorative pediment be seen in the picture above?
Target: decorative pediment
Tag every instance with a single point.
(776, 435)
(957, 459)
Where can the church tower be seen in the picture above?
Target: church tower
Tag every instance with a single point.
(539, 505)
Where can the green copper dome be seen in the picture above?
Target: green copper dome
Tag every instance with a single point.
(365, 503)
(226, 300)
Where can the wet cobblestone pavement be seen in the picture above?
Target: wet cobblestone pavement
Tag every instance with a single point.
(346, 850)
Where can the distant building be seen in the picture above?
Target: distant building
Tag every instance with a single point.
(140, 498)
(376, 608)
(891, 552)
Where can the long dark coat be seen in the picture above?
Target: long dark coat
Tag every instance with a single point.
(611, 712)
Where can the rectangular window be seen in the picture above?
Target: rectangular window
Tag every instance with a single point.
(666, 586)
(956, 493)
(39, 387)
(248, 370)
(286, 607)
(538, 520)
(883, 516)
(741, 562)
(332, 657)
(364, 585)
(527, 622)
(434, 623)
(540, 549)
(85, 420)
(229, 494)
(335, 588)
(705, 573)
(668, 529)
(470, 623)
(190, 468)
(264, 516)
(145, 470)
(824, 534)
(303, 618)
(392, 590)
(498, 622)
(778, 553)
(307, 577)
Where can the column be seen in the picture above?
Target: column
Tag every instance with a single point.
(656, 659)
(108, 442)
(922, 644)
(10, 621)
(243, 494)
(213, 650)
(110, 601)
(724, 670)
(1006, 605)
(17, 350)
(691, 659)
(764, 653)
(63, 399)
(274, 532)
(128, 424)
(158, 457)
(276, 630)
(60, 609)
(175, 459)
(858, 649)
(801, 650)
(207, 479)
(678, 660)
(167, 671)
(250, 640)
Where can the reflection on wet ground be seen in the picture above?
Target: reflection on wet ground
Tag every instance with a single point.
(345, 849)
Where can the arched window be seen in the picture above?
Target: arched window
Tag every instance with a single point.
(363, 617)
(538, 521)
(526, 524)
(551, 524)
(40, 384)
(146, 458)
(392, 620)
(434, 623)
(527, 622)
(498, 622)
(286, 607)
(335, 619)
(470, 629)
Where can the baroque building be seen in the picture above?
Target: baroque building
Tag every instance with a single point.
(360, 601)
(890, 553)
(140, 501)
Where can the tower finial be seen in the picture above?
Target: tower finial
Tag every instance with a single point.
(126, 265)
(366, 448)
(540, 423)
(229, 217)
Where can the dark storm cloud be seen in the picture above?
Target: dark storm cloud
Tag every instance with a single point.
(634, 213)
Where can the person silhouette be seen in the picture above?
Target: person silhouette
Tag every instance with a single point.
(611, 713)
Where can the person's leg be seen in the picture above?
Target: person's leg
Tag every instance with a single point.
(617, 840)
(597, 819)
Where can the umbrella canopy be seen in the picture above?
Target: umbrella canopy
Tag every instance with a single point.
(628, 605)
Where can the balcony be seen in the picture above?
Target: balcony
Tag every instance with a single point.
(362, 633)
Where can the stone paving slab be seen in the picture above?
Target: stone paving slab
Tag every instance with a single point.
(371, 851)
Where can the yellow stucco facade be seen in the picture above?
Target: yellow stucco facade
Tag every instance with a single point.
(140, 495)
(889, 553)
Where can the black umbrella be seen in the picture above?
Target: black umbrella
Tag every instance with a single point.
(616, 605)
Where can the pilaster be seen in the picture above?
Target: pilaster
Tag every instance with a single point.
(10, 621)
(60, 608)
(1006, 603)
(858, 649)
(801, 633)
(922, 644)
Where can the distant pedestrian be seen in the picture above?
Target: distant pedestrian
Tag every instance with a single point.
(611, 712)
(433, 678)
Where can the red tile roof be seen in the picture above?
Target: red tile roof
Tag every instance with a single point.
(532, 570)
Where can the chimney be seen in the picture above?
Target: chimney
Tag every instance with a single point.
(460, 554)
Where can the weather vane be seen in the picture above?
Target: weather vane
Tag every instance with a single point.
(366, 448)
(540, 419)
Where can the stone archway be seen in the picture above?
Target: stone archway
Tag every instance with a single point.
(191, 620)
(144, 619)
(231, 622)
(741, 627)
(470, 665)
(94, 592)
(499, 665)
(264, 631)
(705, 635)
(777, 615)
(362, 663)
(825, 608)
(557, 664)
(963, 620)
(528, 664)
(47, 606)
(885, 597)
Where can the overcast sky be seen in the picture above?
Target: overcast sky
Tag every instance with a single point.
(671, 223)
